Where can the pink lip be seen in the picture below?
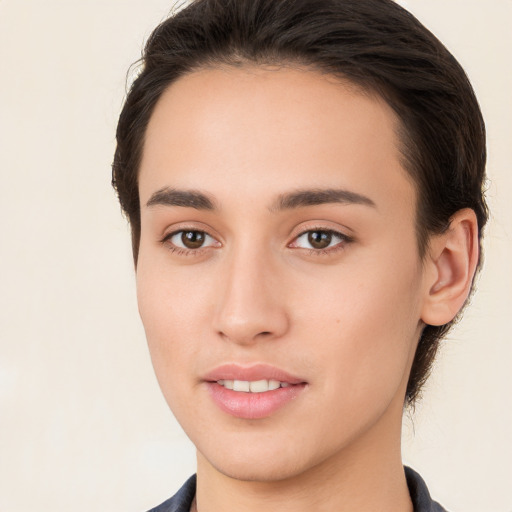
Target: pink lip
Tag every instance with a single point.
(254, 372)
(252, 405)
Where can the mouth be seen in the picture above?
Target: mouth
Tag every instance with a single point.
(253, 386)
(254, 392)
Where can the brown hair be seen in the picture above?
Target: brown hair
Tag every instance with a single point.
(374, 43)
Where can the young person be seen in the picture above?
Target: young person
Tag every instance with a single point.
(303, 180)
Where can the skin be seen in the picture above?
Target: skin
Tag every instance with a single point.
(345, 319)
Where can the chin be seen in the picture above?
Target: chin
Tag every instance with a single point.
(261, 471)
(259, 462)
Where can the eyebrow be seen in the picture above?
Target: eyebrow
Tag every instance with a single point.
(314, 197)
(297, 199)
(184, 198)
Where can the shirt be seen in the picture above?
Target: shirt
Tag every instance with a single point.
(182, 500)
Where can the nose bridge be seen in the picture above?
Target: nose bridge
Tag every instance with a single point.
(249, 305)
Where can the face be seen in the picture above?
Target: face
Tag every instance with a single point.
(279, 280)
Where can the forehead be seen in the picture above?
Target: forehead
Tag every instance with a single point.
(266, 130)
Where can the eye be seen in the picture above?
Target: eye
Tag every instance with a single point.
(190, 239)
(319, 239)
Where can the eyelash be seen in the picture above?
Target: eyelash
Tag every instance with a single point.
(181, 251)
(341, 245)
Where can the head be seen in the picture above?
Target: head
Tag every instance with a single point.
(377, 48)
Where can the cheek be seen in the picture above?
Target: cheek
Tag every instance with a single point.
(364, 327)
(171, 313)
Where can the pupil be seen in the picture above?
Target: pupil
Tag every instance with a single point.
(319, 239)
(192, 239)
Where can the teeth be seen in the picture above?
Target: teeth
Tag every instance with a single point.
(275, 384)
(241, 385)
(258, 386)
(254, 386)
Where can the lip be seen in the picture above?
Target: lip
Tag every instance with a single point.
(259, 371)
(252, 405)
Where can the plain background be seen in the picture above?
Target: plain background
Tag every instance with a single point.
(83, 426)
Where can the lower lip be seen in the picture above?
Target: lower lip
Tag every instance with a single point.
(251, 406)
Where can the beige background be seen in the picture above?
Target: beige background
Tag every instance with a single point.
(83, 426)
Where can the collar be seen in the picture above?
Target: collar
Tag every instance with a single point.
(418, 490)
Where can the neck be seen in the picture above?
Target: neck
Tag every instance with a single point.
(366, 476)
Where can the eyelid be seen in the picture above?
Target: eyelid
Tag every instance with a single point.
(170, 233)
(320, 225)
(177, 227)
(344, 239)
(181, 231)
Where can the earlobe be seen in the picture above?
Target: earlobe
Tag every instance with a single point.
(452, 263)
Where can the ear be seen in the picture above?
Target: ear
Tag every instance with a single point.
(451, 265)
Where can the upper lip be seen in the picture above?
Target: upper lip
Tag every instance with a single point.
(254, 372)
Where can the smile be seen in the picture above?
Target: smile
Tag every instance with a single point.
(252, 392)
(254, 386)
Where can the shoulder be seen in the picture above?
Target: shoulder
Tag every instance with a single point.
(181, 501)
(419, 493)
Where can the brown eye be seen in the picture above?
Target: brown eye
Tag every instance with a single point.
(192, 239)
(319, 239)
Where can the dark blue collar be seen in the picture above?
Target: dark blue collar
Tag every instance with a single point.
(420, 496)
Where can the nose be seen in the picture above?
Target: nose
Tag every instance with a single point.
(250, 306)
